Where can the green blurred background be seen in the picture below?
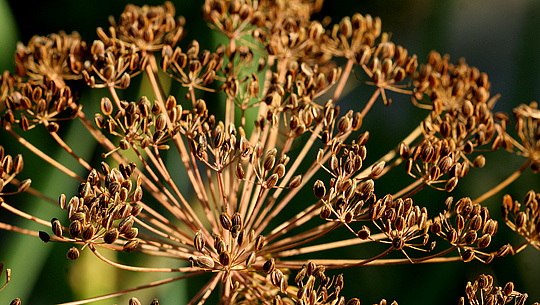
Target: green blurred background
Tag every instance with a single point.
(499, 37)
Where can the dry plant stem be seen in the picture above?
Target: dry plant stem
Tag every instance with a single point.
(115, 97)
(292, 170)
(411, 189)
(24, 215)
(32, 191)
(301, 238)
(160, 233)
(8, 227)
(250, 283)
(205, 292)
(300, 218)
(370, 103)
(139, 269)
(504, 183)
(392, 154)
(327, 246)
(193, 220)
(334, 264)
(43, 155)
(162, 222)
(179, 143)
(377, 261)
(8, 278)
(343, 80)
(521, 247)
(70, 151)
(122, 292)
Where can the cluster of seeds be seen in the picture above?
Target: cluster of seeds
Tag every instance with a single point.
(10, 167)
(146, 28)
(55, 58)
(470, 232)
(40, 104)
(523, 218)
(245, 168)
(528, 118)
(483, 292)
(103, 211)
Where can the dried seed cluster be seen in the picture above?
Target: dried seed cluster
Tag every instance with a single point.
(103, 211)
(523, 218)
(239, 213)
(10, 167)
(31, 105)
(482, 291)
(470, 231)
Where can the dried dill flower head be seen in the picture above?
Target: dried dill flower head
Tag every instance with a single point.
(246, 191)
(54, 58)
(482, 291)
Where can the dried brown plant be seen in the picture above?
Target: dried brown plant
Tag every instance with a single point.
(242, 214)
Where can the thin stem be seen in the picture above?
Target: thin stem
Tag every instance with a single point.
(411, 189)
(43, 155)
(343, 80)
(504, 183)
(63, 144)
(139, 269)
(122, 292)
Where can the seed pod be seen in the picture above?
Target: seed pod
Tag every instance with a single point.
(56, 227)
(131, 245)
(470, 237)
(204, 262)
(269, 266)
(16, 301)
(125, 225)
(467, 255)
(62, 201)
(132, 233)
(377, 169)
(272, 181)
(508, 288)
(325, 212)
(237, 220)
(451, 184)
(225, 258)
(353, 301)
(484, 241)
(134, 301)
(88, 232)
(521, 220)
(106, 106)
(110, 236)
(319, 189)
(73, 253)
(75, 228)
(259, 243)
(452, 236)
(295, 181)
(137, 209)
(490, 227)
(460, 222)
(269, 162)
(364, 233)
(225, 221)
(199, 241)
(23, 186)
(44, 236)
